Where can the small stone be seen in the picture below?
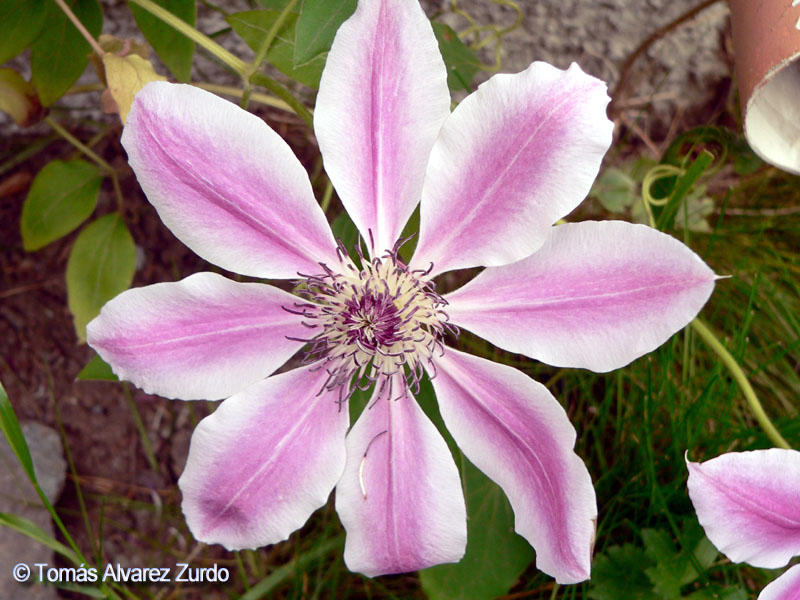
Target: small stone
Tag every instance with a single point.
(18, 498)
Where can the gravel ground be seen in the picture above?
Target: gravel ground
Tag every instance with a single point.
(680, 71)
(600, 36)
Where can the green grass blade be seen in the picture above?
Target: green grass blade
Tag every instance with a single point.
(89, 592)
(264, 587)
(11, 430)
(13, 433)
(682, 187)
(33, 531)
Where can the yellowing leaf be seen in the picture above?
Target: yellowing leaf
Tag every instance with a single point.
(126, 75)
(19, 99)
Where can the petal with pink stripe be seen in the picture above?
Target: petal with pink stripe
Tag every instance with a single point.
(266, 459)
(204, 337)
(400, 497)
(513, 158)
(382, 99)
(749, 504)
(597, 295)
(225, 184)
(518, 434)
(785, 587)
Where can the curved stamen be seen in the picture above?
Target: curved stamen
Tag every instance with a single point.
(373, 322)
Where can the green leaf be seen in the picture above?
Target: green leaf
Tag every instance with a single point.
(693, 212)
(33, 531)
(460, 60)
(426, 398)
(60, 55)
(666, 575)
(705, 553)
(13, 433)
(345, 230)
(97, 370)
(683, 185)
(710, 138)
(745, 161)
(319, 20)
(719, 593)
(277, 5)
(411, 234)
(358, 403)
(62, 196)
(495, 557)
(175, 49)
(253, 25)
(615, 189)
(100, 266)
(675, 568)
(619, 574)
(299, 564)
(22, 21)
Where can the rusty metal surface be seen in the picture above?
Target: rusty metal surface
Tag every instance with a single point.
(766, 39)
(765, 35)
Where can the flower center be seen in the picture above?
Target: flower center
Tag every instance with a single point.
(373, 322)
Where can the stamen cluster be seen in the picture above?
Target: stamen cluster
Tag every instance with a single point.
(371, 322)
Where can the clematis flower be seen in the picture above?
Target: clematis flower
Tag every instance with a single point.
(492, 178)
(749, 505)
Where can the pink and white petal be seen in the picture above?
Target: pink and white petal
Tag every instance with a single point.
(204, 337)
(400, 497)
(518, 434)
(225, 183)
(266, 459)
(749, 504)
(785, 587)
(513, 158)
(597, 295)
(382, 100)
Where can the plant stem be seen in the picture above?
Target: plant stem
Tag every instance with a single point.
(554, 593)
(214, 7)
(326, 197)
(78, 144)
(109, 170)
(234, 62)
(74, 473)
(85, 88)
(30, 150)
(242, 571)
(279, 575)
(145, 439)
(271, 34)
(254, 66)
(46, 502)
(738, 375)
(284, 94)
(246, 93)
(79, 26)
(117, 191)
